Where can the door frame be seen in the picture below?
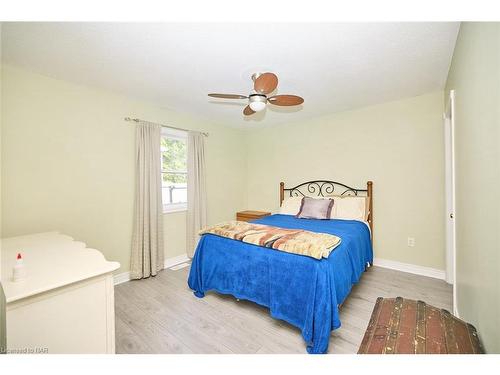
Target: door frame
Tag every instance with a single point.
(450, 197)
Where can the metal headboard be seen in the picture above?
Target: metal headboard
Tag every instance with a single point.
(325, 188)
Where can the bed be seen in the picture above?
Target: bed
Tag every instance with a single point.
(300, 290)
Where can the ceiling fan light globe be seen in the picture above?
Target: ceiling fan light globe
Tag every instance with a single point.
(257, 106)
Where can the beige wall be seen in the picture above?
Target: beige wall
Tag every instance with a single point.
(398, 145)
(68, 164)
(475, 77)
(3, 334)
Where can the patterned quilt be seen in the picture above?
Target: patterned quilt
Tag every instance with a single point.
(295, 241)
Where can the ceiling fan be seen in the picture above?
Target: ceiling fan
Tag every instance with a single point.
(264, 84)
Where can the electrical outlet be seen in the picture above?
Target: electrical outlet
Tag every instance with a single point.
(411, 242)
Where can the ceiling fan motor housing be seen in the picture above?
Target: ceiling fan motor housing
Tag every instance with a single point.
(257, 102)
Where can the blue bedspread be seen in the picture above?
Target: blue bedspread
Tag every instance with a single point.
(301, 290)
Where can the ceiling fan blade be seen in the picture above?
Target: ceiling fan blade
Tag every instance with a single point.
(285, 100)
(228, 96)
(248, 111)
(266, 83)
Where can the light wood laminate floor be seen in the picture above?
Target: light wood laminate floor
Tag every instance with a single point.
(161, 315)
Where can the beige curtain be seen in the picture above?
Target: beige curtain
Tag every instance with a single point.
(147, 240)
(196, 190)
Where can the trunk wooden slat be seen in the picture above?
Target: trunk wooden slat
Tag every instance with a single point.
(404, 326)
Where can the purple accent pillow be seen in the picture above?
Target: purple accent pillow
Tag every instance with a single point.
(311, 208)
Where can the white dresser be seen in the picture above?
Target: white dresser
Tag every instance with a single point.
(66, 302)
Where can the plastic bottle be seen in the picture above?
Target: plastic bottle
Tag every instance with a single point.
(19, 270)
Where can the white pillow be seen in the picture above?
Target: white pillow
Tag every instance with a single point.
(291, 206)
(349, 208)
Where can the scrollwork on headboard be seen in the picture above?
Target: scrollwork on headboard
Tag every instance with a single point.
(326, 188)
(322, 188)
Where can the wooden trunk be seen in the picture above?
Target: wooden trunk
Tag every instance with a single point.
(404, 326)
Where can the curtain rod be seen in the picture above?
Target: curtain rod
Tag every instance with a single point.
(164, 126)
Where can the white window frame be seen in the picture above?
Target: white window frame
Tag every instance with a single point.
(180, 135)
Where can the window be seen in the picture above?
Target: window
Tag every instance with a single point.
(174, 170)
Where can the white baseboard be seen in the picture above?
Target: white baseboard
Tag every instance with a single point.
(121, 277)
(169, 262)
(410, 268)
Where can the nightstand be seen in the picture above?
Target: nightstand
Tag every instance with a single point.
(251, 215)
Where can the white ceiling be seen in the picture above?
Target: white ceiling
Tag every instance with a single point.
(334, 67)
